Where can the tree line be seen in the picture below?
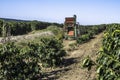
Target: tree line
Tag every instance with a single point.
(23, 27)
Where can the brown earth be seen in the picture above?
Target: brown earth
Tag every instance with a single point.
(71, 69)
(29, 36)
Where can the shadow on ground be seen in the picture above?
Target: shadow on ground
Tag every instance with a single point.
(53, 75)
(69, 61)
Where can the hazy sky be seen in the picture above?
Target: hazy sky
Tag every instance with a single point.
(87, 11)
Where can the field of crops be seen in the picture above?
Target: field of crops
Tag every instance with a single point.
(109, 55)
(24, 60)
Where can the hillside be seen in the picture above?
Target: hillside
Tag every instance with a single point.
(28, 37)
(18, 20)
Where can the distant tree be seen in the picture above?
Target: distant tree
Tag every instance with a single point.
(1, 23)
(34, 25)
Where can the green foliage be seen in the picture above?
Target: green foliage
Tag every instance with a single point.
(23, 27)
(87, 63)
(51, 51)
(1, 23)
(57, 31)
(87, 32)
(83, 38)
(92, 29)
(22, 61)
(109, 55)
(48, 50)
(17, 64)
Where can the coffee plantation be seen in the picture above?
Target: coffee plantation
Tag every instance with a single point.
(109, 55)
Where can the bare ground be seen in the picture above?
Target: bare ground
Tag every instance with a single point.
(71, 69)
(29, 36)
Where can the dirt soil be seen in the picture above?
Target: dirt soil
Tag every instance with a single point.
(71, 69)
(29, 36)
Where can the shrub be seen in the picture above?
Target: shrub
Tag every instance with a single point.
(21, 62)
(50, 51)
(109, 55)
(16, 64)
(87, 63)
(57, 31)
(83, 38)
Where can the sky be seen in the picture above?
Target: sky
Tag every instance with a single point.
(89, 12)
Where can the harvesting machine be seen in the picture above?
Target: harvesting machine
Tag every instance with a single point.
(71, 28)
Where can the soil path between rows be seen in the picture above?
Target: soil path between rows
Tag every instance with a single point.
(72, 65)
